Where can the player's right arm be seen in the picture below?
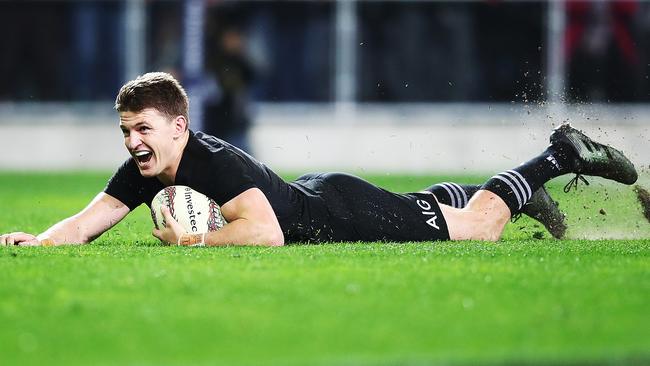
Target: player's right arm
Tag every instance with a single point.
(101, 214)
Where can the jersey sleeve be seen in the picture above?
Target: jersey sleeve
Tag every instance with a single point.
(131, 188)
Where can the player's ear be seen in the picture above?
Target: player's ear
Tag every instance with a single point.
(180, 125)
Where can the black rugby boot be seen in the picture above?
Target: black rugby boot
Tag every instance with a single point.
(589, 157)
(542, 208)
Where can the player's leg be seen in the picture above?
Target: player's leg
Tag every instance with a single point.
(507, 193)
(541, 207)
(484, 218)
(570, 151)
(453, 194)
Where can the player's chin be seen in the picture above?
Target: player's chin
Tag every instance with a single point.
(147, 173)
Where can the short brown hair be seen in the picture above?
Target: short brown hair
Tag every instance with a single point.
(157, 90)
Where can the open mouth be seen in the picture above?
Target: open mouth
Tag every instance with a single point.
(142, 156)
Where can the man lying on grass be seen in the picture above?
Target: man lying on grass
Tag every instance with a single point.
(262, 209)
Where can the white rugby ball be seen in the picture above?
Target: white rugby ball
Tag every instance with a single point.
(196, 212)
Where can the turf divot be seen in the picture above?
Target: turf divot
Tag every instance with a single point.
(644, 199)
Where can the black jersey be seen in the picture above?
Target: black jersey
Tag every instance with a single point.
(315, 207)
(218, 170)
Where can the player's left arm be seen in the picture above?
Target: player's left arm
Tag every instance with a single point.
(102, 213)
(251, 221)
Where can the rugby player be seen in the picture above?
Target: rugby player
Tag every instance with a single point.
(262, 209)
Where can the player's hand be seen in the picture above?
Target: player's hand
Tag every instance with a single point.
(18, 238)
(172, 231)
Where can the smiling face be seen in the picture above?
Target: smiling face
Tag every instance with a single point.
(155, 141)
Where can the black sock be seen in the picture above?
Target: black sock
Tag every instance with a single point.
(517, 185)
(453, 194)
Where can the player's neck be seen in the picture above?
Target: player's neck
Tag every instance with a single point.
(168, 175)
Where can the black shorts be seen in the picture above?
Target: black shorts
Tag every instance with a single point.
(347, 208)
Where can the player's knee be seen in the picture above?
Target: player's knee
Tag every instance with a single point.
(484, 232)
(486, 228)
(471, 225)
(487, 236)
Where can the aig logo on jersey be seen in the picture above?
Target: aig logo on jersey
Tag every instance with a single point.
(430, 215)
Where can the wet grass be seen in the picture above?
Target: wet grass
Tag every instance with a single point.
(127, 300)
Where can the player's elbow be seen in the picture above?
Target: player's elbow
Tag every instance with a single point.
(275, 238)
(267, 235)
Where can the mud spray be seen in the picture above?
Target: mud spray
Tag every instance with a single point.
(643, 196)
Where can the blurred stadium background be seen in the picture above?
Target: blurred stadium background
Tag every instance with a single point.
(378, 86)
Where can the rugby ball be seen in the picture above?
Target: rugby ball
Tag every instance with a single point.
(196, 212)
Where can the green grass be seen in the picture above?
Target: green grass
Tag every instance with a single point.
(127, 300)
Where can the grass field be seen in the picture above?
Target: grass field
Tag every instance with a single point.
(126, 300)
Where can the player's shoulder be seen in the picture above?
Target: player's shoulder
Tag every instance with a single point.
(207, 149)
(201, 142)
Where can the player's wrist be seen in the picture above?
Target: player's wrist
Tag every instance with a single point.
(191, 240)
